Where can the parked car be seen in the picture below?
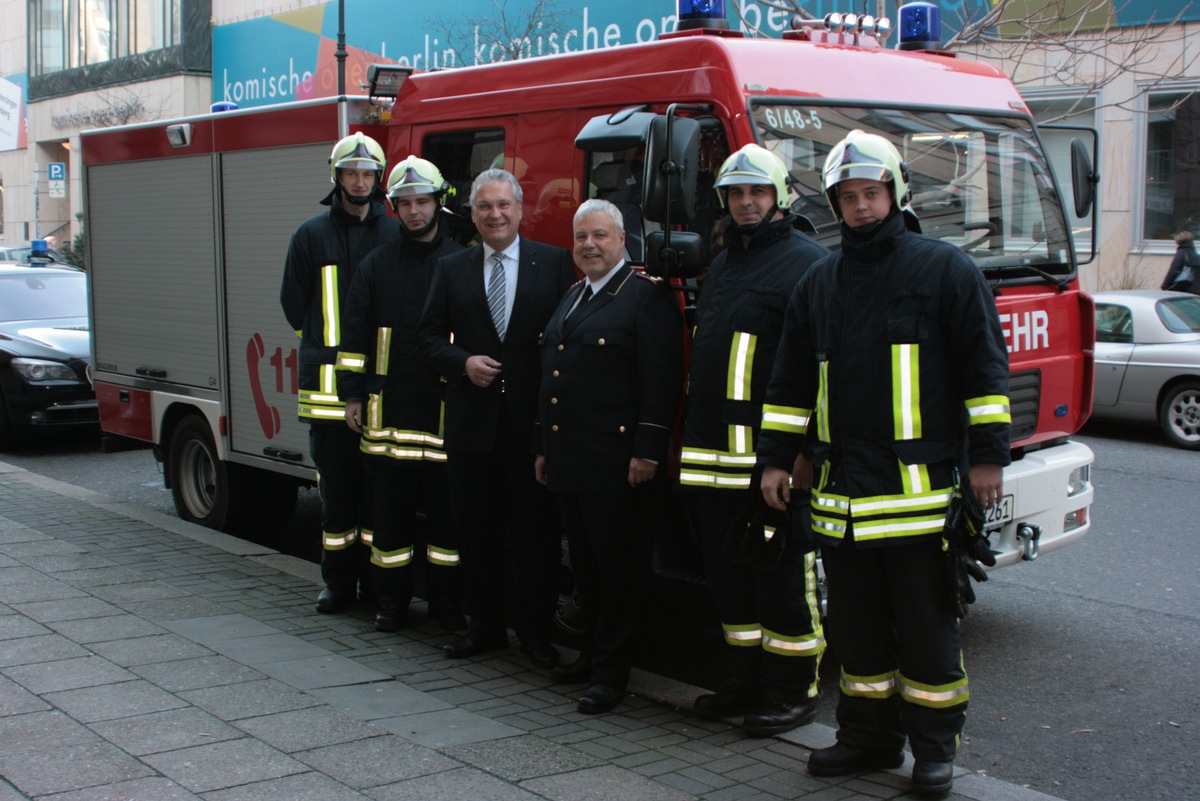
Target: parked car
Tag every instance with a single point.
(45, 351)
(1148, 361)
(21, 253)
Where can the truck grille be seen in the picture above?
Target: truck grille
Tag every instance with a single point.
(1024, 394)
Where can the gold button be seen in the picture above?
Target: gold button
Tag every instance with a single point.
(560, 347)
(556, 374)
(554, 427)
(553, 401)
(601, 340)
(622, 429)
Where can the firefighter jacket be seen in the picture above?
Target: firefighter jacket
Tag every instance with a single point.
(739, 317)
(893, 358)
(320, 264)
(377, 362)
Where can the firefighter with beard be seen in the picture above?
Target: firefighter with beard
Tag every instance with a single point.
(321, 260)
(893, 360)
(394, 402)
(769, 612)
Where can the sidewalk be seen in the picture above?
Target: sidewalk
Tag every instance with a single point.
(149, 659)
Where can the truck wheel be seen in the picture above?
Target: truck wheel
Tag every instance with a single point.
(200, 483)
(1179, 415)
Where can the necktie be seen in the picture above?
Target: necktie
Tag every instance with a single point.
(584, 297)
(495, 294)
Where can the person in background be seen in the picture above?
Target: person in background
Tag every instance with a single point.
(394, 402)
(481, 328)
(1182, 275)
(321, 261)
(612, 378)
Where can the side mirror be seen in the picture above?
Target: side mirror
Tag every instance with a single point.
(682, 257)
(669, 195)
(1083, 180)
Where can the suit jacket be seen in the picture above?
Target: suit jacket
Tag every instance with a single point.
(612, 378)
(456, 324)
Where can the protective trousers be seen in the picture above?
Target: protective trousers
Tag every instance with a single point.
(891, 625)
(771, 619)
(345, 506)
(401, 489)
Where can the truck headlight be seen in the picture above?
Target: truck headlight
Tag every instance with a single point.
(1079, 480)
(40, 371)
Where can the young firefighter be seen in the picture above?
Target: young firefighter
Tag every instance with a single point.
(770, 617)
(394, 401)
(893, 357)
(320, 264)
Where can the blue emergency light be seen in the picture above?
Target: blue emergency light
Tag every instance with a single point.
(920, 27)
(701, 14)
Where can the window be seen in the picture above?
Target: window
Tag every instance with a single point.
(461, 155)
(1171, 196)
(66, 34)
(1080, 112)
(1113, 323)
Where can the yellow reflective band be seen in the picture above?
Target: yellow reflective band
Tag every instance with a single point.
(721, 458)
(934, 696)
(823, 402)
(442, 557)
(881, 686)
(739, 439)
(694, 478)
(320, 413)
(365, 535)
(748, 634)
(830, 527)
(790, 419)
(988, 409)
(398, 558)
(374, 417)
(338, 540)
(810, 593)
(741, 364)
(899, 527)
(801, 645)
(914, 477)
(768, 533)
(906, 391)
(899, 504)
(350, 362)
(831, 503)
(329, 305)
(383, 349)
(401, 453)
(328, 381)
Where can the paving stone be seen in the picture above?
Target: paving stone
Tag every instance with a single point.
(305, 729)
(74, 559)
(607, 783)
(385, 699)
(67, 674)
(10, 793)
(108, 627)
(222, 765)
(325, 670)
(148, 650)
(201, 672)
(249, 699)
(39, 648)
(64, 768)
(464, 784)
(302, 787)
(380, 760)
(163, 610)
(40, 731)
(68, 609)
(137, 697)
(519, 758)
(165, 731)
(42, 591)
(100, 576)
(134, 591)
(153, 788)
(15, 699)
(448, 727)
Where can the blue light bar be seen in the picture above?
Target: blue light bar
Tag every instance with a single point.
(920, 27)
(701, 14)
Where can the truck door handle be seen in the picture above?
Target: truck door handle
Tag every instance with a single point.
(276, 453)
(150, 372)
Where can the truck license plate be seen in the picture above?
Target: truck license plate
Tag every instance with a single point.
(999, 514)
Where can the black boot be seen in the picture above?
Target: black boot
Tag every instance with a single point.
(779, 710)
(841, 759)
(389, 613)
(932, 779)
(447, 614)
(732, 699)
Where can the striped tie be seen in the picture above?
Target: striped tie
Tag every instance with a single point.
(496, 298)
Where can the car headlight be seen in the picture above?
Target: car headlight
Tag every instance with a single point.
(37, 371)
(1078, 481)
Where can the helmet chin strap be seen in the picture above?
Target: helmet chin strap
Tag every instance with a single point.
(357, 200)
(420, 232)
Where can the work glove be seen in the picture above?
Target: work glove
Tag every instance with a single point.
(966, 545)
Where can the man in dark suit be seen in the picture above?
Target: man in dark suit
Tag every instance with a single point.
(483, 320)
(612, 376)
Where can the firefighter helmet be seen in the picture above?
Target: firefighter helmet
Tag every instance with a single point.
(870, 157)
(416, 176)
(356, 152)
(754, 164)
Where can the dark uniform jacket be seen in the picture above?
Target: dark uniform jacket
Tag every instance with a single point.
(892, 354)
(378, 363)
(612, 376)
(739, 318)
(320, 265)
(456, 324)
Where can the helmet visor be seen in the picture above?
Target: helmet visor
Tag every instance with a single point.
(865, 172)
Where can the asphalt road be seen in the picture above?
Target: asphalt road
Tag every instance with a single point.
(1083, 663)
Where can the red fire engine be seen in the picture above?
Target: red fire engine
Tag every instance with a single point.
(192, 354)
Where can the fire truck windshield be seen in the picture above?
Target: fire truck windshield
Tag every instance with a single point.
(981, 182)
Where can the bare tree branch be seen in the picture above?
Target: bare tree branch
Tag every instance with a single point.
(506, 35)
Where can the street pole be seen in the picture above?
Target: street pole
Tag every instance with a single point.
(37, 180)
(340, 55)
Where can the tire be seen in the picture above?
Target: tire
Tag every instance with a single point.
(1179, 415)
(228, 497)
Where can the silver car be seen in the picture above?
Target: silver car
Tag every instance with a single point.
(1148, 361)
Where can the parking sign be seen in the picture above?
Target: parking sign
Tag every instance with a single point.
(57, 173)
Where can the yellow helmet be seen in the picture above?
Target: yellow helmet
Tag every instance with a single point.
(754, 164)
(870, 157)
(356, 152)
(416, 176)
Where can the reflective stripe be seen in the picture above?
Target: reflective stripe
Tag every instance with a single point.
(988, 409)
(881, 686)
(899, 527)
(741, 366)
(365, 535)
(398, 558)
(441, 556)
(790, 419)
(383, 349)
(906, 391)
(879, 504)
(350, 362)
(702, 467)
(822, 411)
(914, 477)
(329, 305)
(693, 478)
(338, 540)
(934, 696)
(396, 442)
(800, 645)
(742, 634)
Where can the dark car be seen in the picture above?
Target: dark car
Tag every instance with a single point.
(45, 349)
